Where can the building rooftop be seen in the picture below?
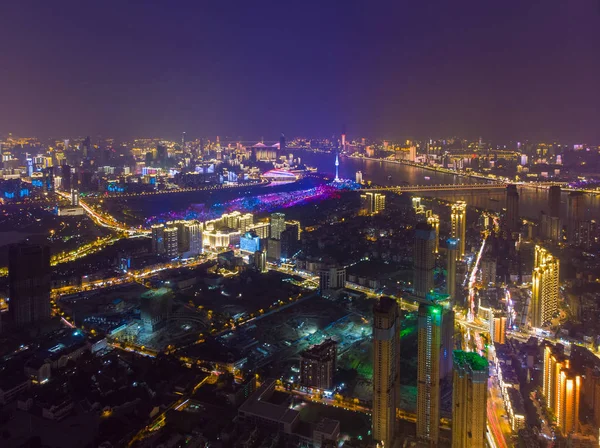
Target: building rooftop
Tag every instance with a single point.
(473, 360)
(384, 305)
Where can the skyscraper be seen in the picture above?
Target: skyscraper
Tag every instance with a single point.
(260, 261)
(435, 331)
(512, 208)
(554, 201)
(434, 221)
(452, 247)
(576, 214)
(29, 283)
(469, 400)
(158, 239)
(386, 369)
(423, 259)
(544, 287)
(277, 225)
(459, 226)
(282, 146)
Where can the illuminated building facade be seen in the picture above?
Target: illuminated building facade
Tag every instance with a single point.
(562, 388)
(250, 242)
(423, 259)
(372, 202)
(386, 369)
(260, 261)
(158, 239)
(458, 219)
(434, 221)
(545, 287)
(469, 400)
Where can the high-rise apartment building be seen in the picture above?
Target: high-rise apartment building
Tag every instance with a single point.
(498, 327)
(171, 243)
(423, 259)
(561, 386)
(318, 364)
(488, 271)
(372, 202)
(458, 219)
(544, 287)
(332, 278)
(428, 373)
(512, 208)
(386, 369)
(434, 221)
(576, 214)
(29, 283)
(452, 257)
(469, 400)
(277, 225)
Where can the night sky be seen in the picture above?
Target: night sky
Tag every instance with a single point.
(511, 69)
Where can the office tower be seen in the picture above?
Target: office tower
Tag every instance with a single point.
(512, 208)
(74, 198)
(29, 283)
(289, 242)
(277, 225)
(576, 213)
(434, 221)
(458, 218)
(453, 248)
(250, 242)
(158, 239)
(386, 369)
(48, 174)
(274, 250)
(86, 147)
(260, 261)
(554, 201)
(423, 259)
(430, 346)
(318, 364)
(544, 288)
(488, 271)
(332, 278)
(171, 244)
(469, 400)
(359, 177)
(66, 178)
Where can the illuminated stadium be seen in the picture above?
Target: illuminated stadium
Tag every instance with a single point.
(280, 176)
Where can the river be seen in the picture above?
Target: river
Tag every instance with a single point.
(531, 201)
